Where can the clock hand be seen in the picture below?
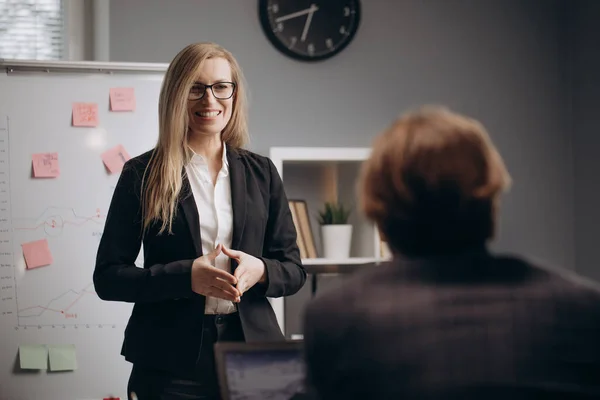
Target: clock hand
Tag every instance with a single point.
(306, 26)
(312, 9)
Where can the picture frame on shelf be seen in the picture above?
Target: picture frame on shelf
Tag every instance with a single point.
(305, 239)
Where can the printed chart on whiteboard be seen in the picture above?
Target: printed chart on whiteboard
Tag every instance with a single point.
(48, 242)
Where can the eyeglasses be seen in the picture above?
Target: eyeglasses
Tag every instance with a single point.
(221, 90)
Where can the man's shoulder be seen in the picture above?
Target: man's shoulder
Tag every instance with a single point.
(560, 281)
(354, 291)
(561, 284)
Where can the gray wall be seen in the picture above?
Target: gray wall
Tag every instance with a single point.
(584, 64)
(499, 61)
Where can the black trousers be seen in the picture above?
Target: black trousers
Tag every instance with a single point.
(153, 384)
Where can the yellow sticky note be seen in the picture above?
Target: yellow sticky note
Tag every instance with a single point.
(33, 356)
(63, 357)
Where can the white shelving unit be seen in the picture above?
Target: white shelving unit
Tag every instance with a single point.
(346, 261)
(317, 175)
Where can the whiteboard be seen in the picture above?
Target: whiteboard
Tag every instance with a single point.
(56, 304)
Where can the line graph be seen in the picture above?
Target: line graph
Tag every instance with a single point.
(38, 310)
(54, 219)
(73, 307)
(60, 295)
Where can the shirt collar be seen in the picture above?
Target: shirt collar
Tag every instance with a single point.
(197, 159)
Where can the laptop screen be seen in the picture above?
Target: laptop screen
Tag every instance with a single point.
(262, 372)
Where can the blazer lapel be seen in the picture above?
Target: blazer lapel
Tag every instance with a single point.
(190, 211)
(237, 172)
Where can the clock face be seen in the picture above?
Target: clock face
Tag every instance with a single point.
(310, 30)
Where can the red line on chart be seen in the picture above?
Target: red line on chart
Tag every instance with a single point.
(48, 307)
(57, 209)
(76, 300)
(54, 224)
(44, 308)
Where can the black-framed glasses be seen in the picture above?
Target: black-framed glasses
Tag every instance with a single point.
(220, 90)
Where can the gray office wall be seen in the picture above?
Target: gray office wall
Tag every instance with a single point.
(497, 60)
(584, 65)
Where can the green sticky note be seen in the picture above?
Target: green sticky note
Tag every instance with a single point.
(33, 356)
(62, 357)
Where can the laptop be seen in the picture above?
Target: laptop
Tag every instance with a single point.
(260, 371)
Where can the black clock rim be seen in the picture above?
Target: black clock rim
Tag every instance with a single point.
(268, 31)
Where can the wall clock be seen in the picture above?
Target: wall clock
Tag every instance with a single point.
(309, 30)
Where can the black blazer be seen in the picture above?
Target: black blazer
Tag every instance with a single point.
(165, 328)
(470, 326)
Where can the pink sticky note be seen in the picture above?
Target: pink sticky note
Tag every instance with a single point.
(37, 253)
(85, 114)
(115, 158)
(45, 165)
(122, 99)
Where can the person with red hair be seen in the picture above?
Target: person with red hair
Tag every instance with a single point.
(446, 318)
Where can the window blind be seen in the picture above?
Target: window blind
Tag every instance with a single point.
(32, 29)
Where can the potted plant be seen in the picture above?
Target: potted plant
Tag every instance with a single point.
(336, 232)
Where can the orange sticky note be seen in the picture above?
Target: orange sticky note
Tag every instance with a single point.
(37, 253)
(85, 114)
(45, 165)
(115, 158)
(122, 99)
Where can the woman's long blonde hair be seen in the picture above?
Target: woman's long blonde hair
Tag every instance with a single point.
(162, 182)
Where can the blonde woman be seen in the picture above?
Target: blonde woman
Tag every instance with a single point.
(216, 229)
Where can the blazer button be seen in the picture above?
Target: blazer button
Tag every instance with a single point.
(219, 319)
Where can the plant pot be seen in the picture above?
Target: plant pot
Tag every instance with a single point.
(336, 241)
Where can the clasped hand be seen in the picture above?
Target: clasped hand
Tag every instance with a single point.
(214, 282)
